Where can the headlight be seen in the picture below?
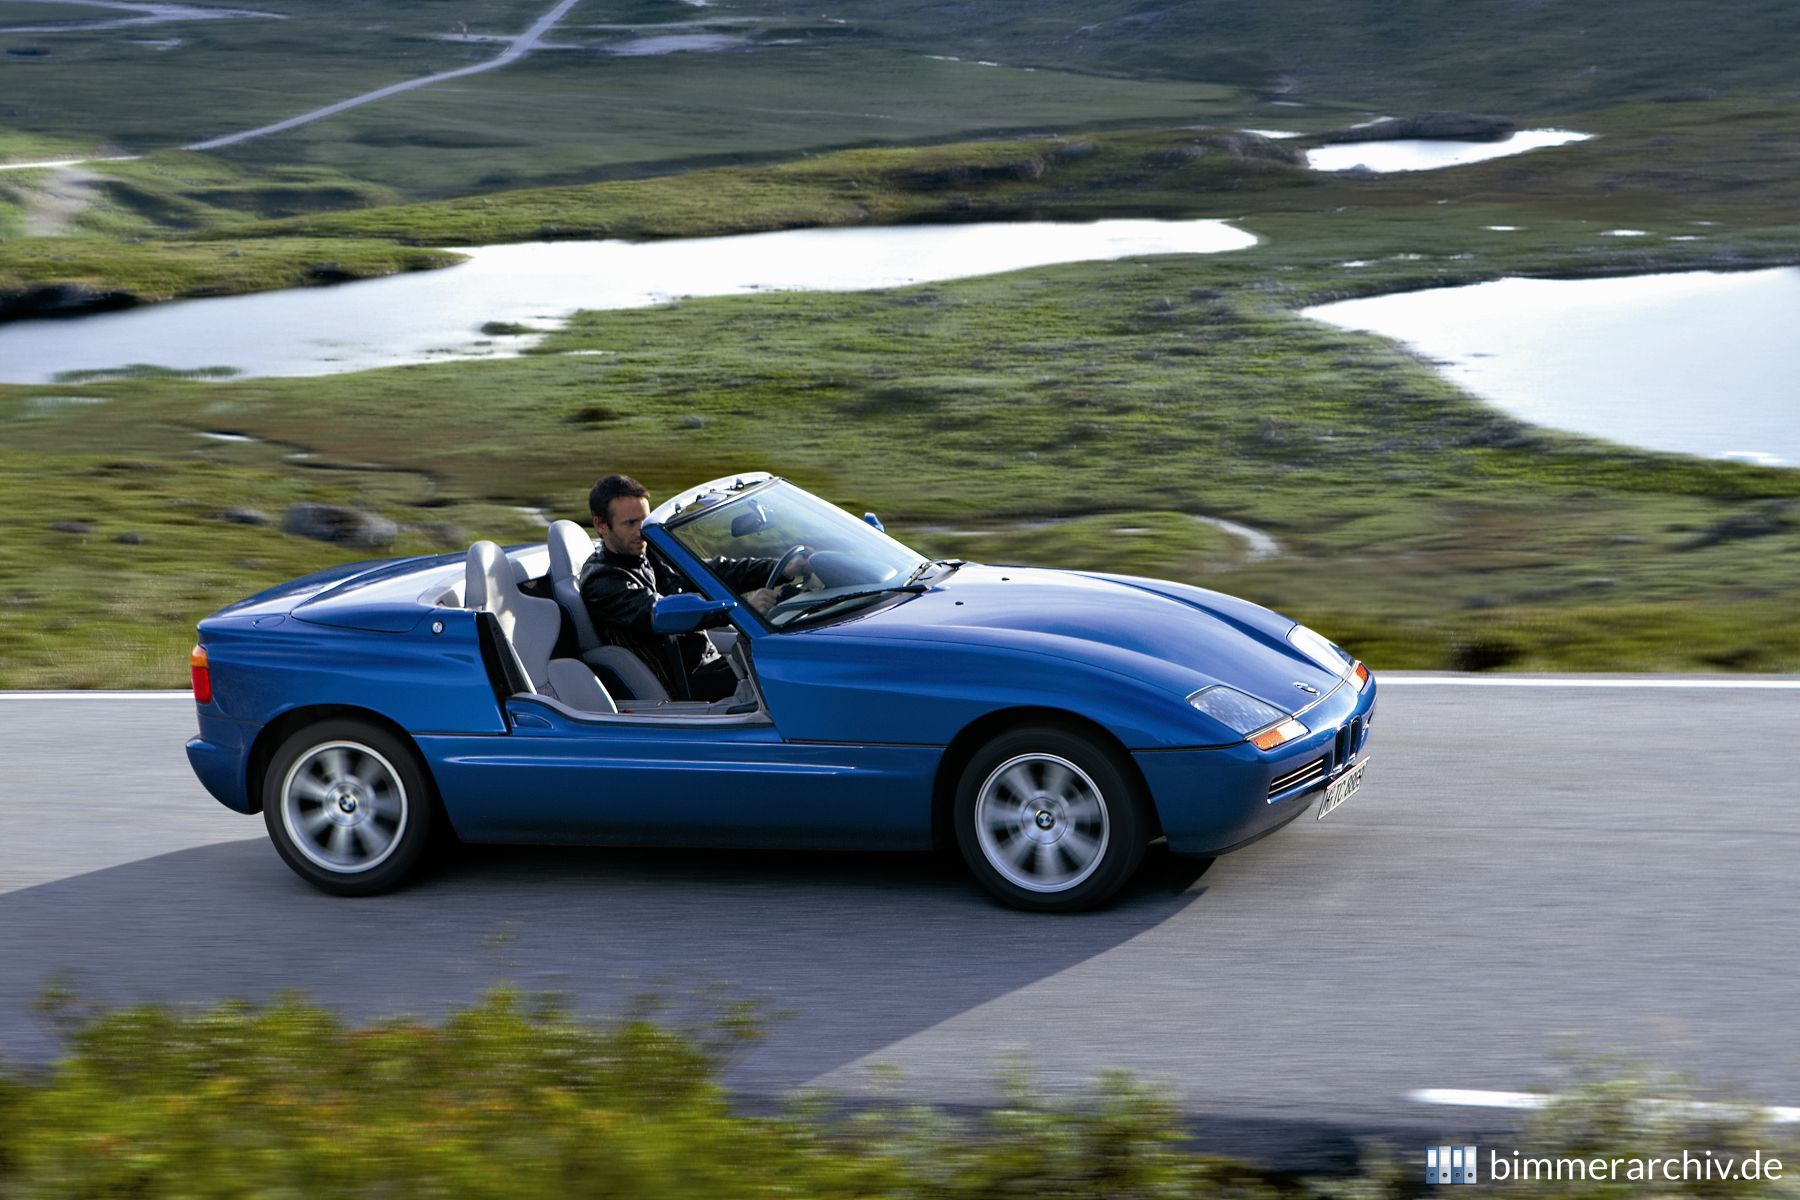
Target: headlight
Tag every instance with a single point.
(1264, 724)
(1320, 649)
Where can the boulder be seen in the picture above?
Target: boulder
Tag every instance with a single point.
(931, 179)
(62, 300)
(1764, 519)
(330, 272)
(1074, 151)
(75, 527)
(1457, 126)
(1239, 145)
(339, 526)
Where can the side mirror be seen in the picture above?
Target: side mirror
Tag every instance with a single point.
(684, 612)
(874, 520)
(752, 519)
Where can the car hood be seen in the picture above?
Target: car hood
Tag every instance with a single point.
(1172, 636)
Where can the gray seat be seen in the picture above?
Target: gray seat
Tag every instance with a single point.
(530, 627)
(570, 547)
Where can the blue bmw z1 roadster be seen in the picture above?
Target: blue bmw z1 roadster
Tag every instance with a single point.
(1049, 723)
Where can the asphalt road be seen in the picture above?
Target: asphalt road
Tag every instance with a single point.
(1530, 871)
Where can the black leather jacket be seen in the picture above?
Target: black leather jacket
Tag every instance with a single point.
(621, 589)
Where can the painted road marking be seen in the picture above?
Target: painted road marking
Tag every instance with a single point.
(63, 162)
(1528, 1101)
(1581, 681)
(188, 696)
(1650, 683)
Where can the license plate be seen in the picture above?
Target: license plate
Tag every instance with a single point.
(1342, 788)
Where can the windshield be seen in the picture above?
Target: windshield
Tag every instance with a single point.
(848, 562)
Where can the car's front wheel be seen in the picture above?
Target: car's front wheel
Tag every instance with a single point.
(348, 807)
(1049, 820)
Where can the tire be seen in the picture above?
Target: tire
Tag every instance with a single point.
(1049, 820)
(349, 807)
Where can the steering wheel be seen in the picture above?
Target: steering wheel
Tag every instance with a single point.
(782, 564)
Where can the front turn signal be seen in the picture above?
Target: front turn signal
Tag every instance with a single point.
(1362, 676)
(1275, 735)
(201, 675)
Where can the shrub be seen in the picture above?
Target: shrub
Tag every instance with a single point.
(516, 1097)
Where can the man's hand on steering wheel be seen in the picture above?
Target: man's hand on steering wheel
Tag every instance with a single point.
(790, 570)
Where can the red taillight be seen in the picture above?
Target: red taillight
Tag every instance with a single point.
(201, 675)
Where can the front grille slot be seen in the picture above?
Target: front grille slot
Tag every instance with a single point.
(1311, 772)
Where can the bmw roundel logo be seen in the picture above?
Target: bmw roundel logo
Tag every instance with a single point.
(1307, 688)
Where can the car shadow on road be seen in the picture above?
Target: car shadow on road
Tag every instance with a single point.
(845, 953)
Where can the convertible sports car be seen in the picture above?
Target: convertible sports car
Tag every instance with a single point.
(1050, 723)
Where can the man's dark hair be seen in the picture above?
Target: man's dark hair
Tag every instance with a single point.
(609, 489)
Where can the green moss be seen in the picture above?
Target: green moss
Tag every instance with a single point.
(1418, 526)
(164, 270)
(519, 1097)
(144, 547)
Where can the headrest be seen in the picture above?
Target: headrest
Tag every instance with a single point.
(484, 576)
(570, 547)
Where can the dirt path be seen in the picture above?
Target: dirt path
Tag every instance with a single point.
(147, 14)
(50, 210)
(519, 48)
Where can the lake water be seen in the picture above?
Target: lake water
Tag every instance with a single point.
(1689, 362)
(1421, 154)
(429, 316)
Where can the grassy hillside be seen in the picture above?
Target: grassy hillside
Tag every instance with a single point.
(1493, 54)
(761, 79)
(188, 224)
(1087, 415)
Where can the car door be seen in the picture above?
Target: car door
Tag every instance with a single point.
(714, 781)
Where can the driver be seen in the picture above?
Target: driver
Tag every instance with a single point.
(621, 583)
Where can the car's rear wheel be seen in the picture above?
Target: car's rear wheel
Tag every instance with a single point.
(349, 807)
(1049, 820)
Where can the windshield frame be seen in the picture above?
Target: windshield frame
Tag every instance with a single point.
(683, 507)
(672, 515)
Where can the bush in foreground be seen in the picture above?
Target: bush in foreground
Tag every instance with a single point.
(519, 1098)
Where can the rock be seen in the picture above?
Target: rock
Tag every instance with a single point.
(1074, 151)
(1761, 520)
(445, 535)
(131, 539)
(76, 527)
(62, 300)
(692, 421)
(340, 526)
(1178, 156)
(931, 179)
(245, 516)
(1460, 126)
(1234, 145)
(1490, 652)
(330, 272)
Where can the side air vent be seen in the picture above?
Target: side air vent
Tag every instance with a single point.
(1310, 773)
